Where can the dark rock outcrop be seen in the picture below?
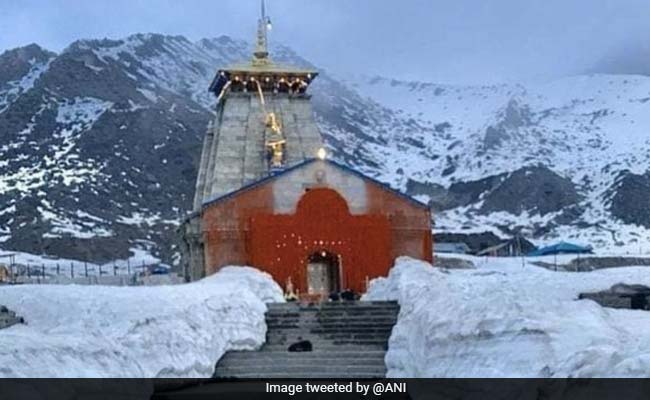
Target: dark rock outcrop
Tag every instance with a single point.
(9, 318)
(16, 63)
(475, 241)
(536, 189)
(440, 197)
(513, 117)
(635, 297)
(630, 199)
(533, 189)
(465, 193)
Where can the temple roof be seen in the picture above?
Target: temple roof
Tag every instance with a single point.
(301, 164)
(267, 68)
(273, 71)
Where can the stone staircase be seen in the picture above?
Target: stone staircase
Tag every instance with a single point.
(8, 318)
(349, 340)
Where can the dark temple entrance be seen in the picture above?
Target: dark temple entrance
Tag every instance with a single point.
(323, 273)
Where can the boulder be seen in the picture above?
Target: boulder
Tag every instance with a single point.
(8, 318)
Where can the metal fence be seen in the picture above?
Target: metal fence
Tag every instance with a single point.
(76, 272)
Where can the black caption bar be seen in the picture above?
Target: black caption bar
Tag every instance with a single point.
(443, 389)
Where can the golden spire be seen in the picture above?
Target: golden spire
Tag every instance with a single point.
(261, 50)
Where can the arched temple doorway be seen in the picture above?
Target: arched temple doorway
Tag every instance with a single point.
(323, 273)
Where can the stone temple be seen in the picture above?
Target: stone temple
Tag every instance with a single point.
(267, 196)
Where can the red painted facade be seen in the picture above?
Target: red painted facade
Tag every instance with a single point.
(322, 222)
(244, 229)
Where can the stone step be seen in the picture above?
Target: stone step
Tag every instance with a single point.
(317, 343)
(342, 319)
(323, 330)
(337, 318)
(334, 304)
(274, 336)
(333, 319)
(274, 362)
(332, 325)
(356, 313)
(299, 375)
(306, 355)
(296, 370)
(330, 315)
(385, 327)
(329, 336)
(311, 310)
(316, 339)
(349, 340)
(316, 317)
(320, 328)
(320, 342)
(329, 345)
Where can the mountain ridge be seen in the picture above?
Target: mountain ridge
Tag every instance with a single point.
(100, 146)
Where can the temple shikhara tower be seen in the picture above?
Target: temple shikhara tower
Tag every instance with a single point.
(267, 195)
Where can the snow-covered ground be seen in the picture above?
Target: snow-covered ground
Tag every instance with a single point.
(163, 331)
(508, 319)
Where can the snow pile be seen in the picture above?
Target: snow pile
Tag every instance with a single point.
(508, 320)
(163, 331)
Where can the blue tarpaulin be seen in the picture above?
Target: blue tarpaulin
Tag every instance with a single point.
(561, 248)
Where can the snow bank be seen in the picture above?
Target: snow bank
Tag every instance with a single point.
(508, 320)
(163, 331)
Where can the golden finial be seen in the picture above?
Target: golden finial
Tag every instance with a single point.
(261, 49)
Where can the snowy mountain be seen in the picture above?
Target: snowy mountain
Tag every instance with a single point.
(567, 159)
(99, 147)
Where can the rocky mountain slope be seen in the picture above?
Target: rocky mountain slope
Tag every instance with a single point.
(567, 159)
(99, 147)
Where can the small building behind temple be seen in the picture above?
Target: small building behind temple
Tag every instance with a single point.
(513, 247)
(4, 273)
(561, 248)
(268, 196)
(452, 248)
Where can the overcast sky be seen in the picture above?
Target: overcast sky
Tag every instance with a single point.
(459, 41)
